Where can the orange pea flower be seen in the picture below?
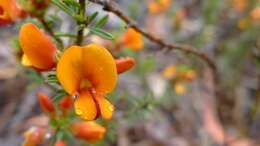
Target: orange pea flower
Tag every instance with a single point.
(158, 6)
(9, 11)
(179, 88)
(39, 51)
(169, 72)
(34, 136)
(89, 72)
(133, 40)
(45, 103)
(124, 64)
(189, 75)
(60, 143)
(89, 131)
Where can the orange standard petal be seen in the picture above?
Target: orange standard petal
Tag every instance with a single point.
(89, 131)
(37, 46)
(133, 40)
(124, 64)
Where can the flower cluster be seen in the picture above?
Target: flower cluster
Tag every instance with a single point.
(9, 11)
(86, 73)
(158, 6)
(178, 76)
(13, 10)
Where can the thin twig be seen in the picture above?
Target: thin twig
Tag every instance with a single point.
(111, 6)
(50, 31)
(80, 35)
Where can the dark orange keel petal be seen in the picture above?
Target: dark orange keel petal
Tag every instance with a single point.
(124, 64)
(37, 47)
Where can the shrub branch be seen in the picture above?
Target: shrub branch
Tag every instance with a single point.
(111, 6)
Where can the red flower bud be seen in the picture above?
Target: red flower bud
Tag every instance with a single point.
(45, 103)
(34, 136)
(66, 103)
(89, 131)
(124, 64)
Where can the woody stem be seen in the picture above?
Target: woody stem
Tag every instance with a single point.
(80, 35)
(50, 31)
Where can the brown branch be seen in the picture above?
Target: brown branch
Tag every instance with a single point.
(50, 31)
(80, 35)
(111, 6)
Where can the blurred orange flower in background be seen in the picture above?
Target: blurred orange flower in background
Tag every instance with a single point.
(255, 14)
(240, 5)
(89, 131)
(133, 40)
(158, 6)
(178, 76)
(9, 11)
(34, 136)
(179, 88)
(39, 53)
(91, 73)
(169, 72)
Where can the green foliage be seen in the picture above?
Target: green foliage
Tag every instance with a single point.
(101, 22)
(92, 17)
(68, 6)
(59, 95)
(99, 32)
(35, 76)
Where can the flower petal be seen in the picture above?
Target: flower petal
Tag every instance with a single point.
(89, 131)
(25, 61)
(106, 108)
(99, 68)
(9, 11)
(69, 69)
(37, 46)
(85, 106)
